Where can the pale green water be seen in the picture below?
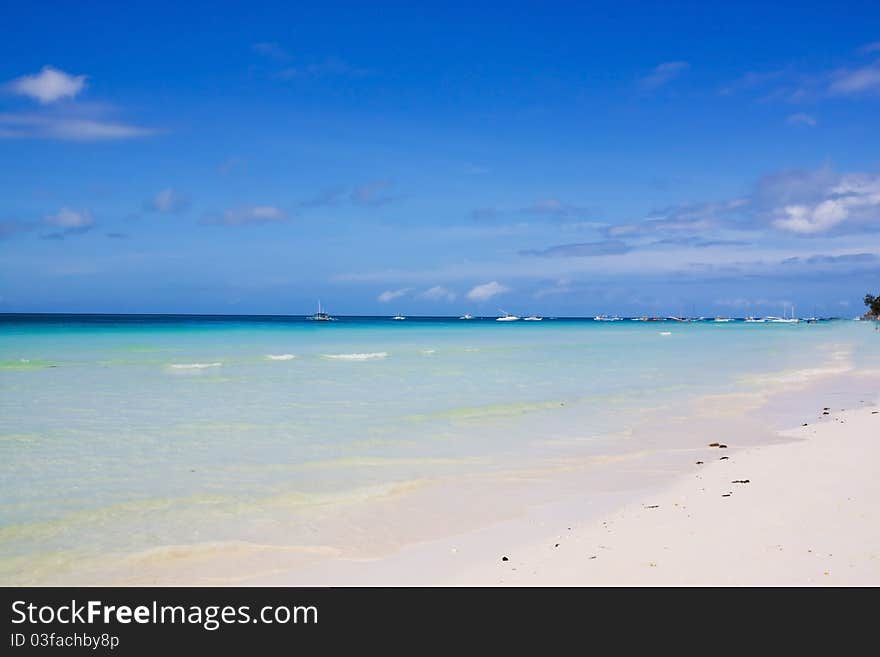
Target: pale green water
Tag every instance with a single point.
(122, 434)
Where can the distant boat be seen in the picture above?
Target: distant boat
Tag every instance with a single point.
(533, 318)
(606, 318)
(639, 319)
(399, 317)
(678, 319)
(723, 319)
(755, 320)
(321, 316)
(507, 317)
(785, 319)
(466, 316)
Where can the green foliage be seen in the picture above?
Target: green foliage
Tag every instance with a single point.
(873, 304)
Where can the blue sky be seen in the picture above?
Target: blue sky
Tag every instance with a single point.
(439, 159)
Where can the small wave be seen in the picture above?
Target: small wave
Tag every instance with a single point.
(370, 356)
(665, 332)
(280, 356)
(194, 366)
(428, 352)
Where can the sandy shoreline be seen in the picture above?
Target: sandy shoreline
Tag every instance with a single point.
(664, 510)
(801, 511)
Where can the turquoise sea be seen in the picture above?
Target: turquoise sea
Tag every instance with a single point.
(120, 434)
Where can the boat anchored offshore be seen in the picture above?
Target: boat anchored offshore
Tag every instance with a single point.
(466, 316)
(507, 317)
(321, 316)
(785, 319)
(533, 318)
(398, 317)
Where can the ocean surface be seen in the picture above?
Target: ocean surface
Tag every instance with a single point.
(125, 433)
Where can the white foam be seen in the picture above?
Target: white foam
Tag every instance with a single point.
(370, 356)
(280, 356)
(428, 352)
(665, 333)
(194, 366)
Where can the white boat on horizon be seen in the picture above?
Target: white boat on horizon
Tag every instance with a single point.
(321, 316)
(398, 317)
(722, 320)
(507, 317)
(755, 320)
(466, 316)
(532, 318)
(785, 319)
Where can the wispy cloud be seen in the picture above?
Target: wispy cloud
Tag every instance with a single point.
(48, 86)
(752, 80)
(272, 50)
(582, 250)
(663, 74)
(66, 128)
(862, 80)
(70, 121)
(438, 293)
(801, 119)
(555, 208)
(167, 201)
(371, 194)
(391, 295)
(486, 291)
(251, 215)
(550, 207)
(68, 222)
(332, 66)
(868, 48)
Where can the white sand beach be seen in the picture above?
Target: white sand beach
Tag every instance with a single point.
(805, 511)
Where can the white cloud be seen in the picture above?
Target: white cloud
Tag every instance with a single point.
(35, 126)
(67, 218)
(391, 295)
(169, 200)
(860, 80)
(256, 214)
(438, 293)
(802, 119)
(854, 197)
(486, 291)
(48, 85)
(68, 222)
(663, 74)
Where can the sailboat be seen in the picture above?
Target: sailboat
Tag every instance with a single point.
(506, 317)
(321, 316)
(784, 319)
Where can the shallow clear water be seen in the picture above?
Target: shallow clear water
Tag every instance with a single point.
(122, 433)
